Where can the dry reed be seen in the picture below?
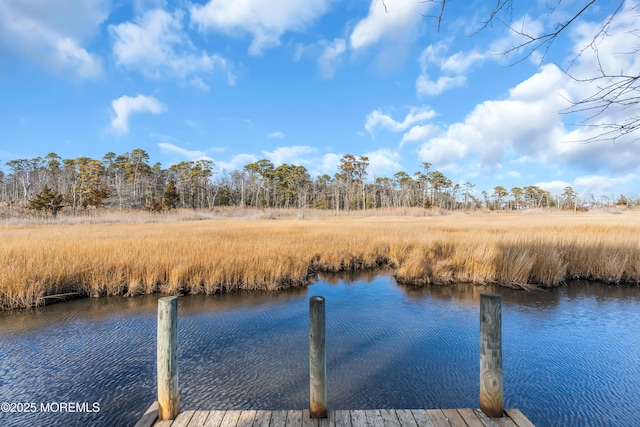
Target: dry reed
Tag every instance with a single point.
(209, 256)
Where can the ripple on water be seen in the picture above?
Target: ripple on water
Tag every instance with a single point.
(570, 356)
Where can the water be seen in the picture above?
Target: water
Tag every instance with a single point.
(570, 355)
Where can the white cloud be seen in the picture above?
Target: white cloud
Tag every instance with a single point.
(432, 61)
(503, 49)
(615, 54)
(330, 58)
(198, 83)
(598, 184)
(399, 23)
(527, 123)
(328, 164)
(295, 155)
(327, 54)
(125, 106)
(378, 119)
(418, 133)
(615, 51)
(383, 162)
(263, 20)
(441, 72)
(168, 148)
(424, 86)
(43, 33)
(277, 135)
(553, 187)
(443, 152)
(513, 174)
(157, 46)
(236, 163)
(461, 62)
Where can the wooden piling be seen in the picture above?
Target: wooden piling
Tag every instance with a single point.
(167, 357)
(491, 395)
(317, 359)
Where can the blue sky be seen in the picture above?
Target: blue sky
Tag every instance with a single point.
(307, 81)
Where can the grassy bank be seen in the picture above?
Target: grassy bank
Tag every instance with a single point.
(209, 256)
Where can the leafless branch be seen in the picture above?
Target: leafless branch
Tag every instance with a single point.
(544, 41)
(440, 16)
(614, 93)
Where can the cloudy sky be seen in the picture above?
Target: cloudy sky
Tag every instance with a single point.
(307, 81)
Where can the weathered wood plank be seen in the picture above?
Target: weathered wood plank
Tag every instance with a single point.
(149, 417)
(329, 421)
(342, 419)
(438, 418)
(278, 418)
(307, 421)
(454, 418)
(263, 418)
(358, 418)
(519, 418)
(246, 418)
(486, 421)
(294, 418)
(183, 419)
(230, 419)
(374, 419)
(215, 418)
(470, 417)
(199, 419)
(389, 418)
(505, 422)
(406, 418)
(422, 417)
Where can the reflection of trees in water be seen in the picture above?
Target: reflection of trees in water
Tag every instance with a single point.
(96, 309)
(586, 288)
(103, 308)
(366, 275)
(541, 299)
(456, 292)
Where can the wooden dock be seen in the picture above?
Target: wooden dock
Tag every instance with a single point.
(373, 418)
(165, 412)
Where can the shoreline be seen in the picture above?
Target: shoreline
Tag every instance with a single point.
(221, 255)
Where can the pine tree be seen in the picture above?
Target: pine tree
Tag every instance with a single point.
(170, 197)
(47, 200)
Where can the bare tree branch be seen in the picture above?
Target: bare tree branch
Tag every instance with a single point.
(613, 93)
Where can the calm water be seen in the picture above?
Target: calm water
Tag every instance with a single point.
(571, 355)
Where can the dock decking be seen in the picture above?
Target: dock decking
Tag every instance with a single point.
(338, 418)
(491, 393)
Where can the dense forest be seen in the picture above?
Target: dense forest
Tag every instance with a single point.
(128, 181)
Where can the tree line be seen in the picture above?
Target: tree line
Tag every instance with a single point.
(129, 181)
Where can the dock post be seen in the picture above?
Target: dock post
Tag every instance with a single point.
(167, 357)
(491, 396)
(317, 359)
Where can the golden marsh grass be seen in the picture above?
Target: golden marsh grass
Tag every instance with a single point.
(218, 255)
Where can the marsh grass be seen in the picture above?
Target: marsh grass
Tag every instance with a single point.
(180, 255)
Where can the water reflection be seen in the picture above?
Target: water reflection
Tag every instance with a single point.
(570, 353)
